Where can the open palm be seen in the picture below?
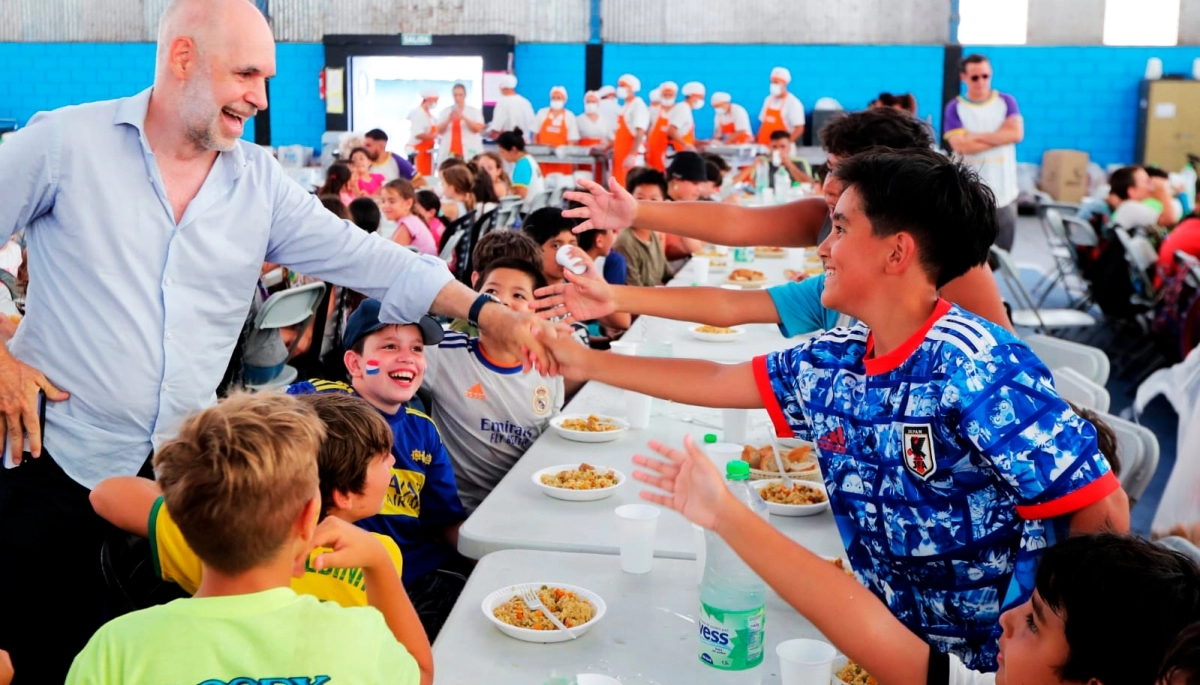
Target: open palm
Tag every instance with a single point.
(585, 297)
(690, 483)
(602, 209)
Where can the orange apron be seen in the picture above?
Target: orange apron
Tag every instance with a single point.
(689, 138)
(554, 133)
(456, 138)
(425, 153)
(731, 136)
(592, 142)
(771, 123)
(622, 148)
(657, 142)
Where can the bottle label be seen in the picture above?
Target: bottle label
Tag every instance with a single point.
(731, 640)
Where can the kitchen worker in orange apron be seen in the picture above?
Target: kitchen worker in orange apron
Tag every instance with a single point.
(631, 127)
(459, 128)
(555, 126)
(424, 131)
(781, 111)
(658, 139)
(594, 129)
(681, 129)
(731, 124)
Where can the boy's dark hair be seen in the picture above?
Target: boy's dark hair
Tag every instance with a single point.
(512, 140)
(587, 240)
(334, 204)
(1155, 172)
(364, 212)
(941, 203)
(1122, 600)
(1181, 666)
(376, 134)
(1106, 438)
(430, 201)
(546, 223)
(503, 244)
(646, 177)
(779, 135)
(355, 434)
(850, 134)
(973, 58)
(718, 160)
(1121, 180)
(531, 269)
(714, 173)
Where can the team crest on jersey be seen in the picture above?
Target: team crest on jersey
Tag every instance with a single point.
(541, 400)
(917, 446)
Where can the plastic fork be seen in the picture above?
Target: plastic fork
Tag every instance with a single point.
(534, 603)
(787, 480)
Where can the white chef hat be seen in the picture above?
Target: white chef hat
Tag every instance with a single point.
(558, 90)
(781, 74)
(594, 93)
(630, 81)
(655, 96)
(606, 91)
(720, 98)
(429, 93)
(668, 86)
(508, 81)
(693, 88)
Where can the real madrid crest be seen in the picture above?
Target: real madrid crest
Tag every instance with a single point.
(541, 400)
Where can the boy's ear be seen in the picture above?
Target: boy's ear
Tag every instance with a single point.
(306, 522)
(353, 363)
(474, 279)
(903, 252)
(340, 500)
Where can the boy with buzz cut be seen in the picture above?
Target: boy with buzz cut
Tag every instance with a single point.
(241, 482)
(950, 460)
(421, 509)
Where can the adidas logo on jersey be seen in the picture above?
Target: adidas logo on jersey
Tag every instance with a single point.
(475, 392)
(833, 441)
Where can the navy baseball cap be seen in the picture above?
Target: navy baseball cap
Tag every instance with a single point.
(365, 321)
(687, 166)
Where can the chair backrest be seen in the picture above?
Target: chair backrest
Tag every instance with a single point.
(289, 307)
(1079, 232)
(1141, 257)
(1012, 277)
(1091, 362)
(537, 200)
(1138, 452)
(1074, 386)
(1056, 230)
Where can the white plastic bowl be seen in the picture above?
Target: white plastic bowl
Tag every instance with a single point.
(588, 436)
(504, 594)
(794, 509)
(698, 334)
(576, 495)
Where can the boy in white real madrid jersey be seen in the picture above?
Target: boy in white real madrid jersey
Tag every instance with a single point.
(949, 458)
(489, 411)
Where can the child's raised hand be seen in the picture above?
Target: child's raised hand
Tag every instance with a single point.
(690, 483)
(584, 297)
(352, 547)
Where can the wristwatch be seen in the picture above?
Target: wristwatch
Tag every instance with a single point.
(477, 306)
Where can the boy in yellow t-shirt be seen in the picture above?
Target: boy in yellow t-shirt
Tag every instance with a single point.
(244, 528)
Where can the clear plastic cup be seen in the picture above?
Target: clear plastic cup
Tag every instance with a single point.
(637, 409)
(636, 525)
(805, 662)
(627, 348)
(700, 267)
(735, 424)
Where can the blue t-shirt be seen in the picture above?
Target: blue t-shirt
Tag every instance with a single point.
(616, 269)
(525, 171)
(800, 309)
(943, 460)
(422, 497)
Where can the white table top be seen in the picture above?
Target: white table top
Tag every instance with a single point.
(647, 637)
(518, 515)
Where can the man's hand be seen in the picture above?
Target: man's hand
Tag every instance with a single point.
(352, 547)
(19, 385)
(583, 297)
(570, 358)
(603, 209)
(521, 334)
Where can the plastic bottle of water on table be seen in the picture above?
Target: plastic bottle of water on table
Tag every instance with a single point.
(732, 616)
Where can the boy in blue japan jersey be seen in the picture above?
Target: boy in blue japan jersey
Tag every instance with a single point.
(422, 511)
(949, 459)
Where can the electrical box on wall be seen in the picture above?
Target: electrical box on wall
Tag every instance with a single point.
(1168, 123)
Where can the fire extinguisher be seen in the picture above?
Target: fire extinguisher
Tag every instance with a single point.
(321, 89)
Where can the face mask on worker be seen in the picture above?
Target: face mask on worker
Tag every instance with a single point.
(557, 104)
(722, 109)
(591, 107)
(696, 104)
(776, 89)
(667, 102)
(623, 93)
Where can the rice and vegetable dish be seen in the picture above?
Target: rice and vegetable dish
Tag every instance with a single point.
(853, 674)
(592, 424)
(720, 330)
(586, 477)
(778, 493)
(564, 604)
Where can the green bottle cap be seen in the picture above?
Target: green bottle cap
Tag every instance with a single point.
(737, 469)
(709, 438)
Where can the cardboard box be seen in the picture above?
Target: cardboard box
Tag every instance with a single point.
(1065, 174)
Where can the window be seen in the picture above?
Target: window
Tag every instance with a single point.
(992, 22)
(1141, 22)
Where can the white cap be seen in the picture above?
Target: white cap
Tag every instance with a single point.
(508, 81)
(693, 88)
(781, 74)
(631, 81)
(606, 91)
(593, 93)
(558, 90)
(720, 98)
(668, 85)
(429, 93)
(655, 96)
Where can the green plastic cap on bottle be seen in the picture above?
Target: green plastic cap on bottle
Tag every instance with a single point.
(737, 469)
(710, 438)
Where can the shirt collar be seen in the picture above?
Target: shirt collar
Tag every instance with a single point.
(894, 359)
(132, 111)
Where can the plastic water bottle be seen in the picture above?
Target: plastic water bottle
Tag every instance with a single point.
(783, 185)
(1189, 186)
(732, 616)
(762, 175)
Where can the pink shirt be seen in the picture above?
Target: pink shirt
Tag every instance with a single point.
(372, 186)
(422, 239)
(438, 229)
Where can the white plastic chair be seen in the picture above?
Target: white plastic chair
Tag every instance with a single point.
(1091, 362)
(290, 307)
(1027, 314)
(1075, 387)
(1137, 450)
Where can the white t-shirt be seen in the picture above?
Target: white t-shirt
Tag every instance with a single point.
(961, 675)
(1133, 214)
(512, 111)
(388, 169)
(422, 121)
(570, 119)
(793, 110)
(996, 167)
(738, 115)
(600, 128)
(637, 115)
(681, 118)
(472, 143)
(488, 415)
(610, 109)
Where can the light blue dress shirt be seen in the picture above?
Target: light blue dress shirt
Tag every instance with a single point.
(137, 316)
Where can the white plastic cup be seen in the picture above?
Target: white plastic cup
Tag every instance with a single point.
(636, 525)
(734, 423)
(627, 348)
(722, 453)
(656, 348)
(701, 552)
(805, 662)
(637, 409)
(700, 266)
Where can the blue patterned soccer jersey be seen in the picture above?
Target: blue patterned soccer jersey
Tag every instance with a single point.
(943, 460)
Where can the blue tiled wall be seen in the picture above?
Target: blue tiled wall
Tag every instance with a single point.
(541, 66)
(853, 75)
(297, 111)
(1083, 98)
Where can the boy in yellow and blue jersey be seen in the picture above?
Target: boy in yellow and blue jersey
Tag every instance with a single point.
(421, 511)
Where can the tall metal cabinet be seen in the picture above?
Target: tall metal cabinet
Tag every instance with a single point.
(1168, 122)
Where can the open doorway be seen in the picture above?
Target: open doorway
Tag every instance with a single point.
(386, 89)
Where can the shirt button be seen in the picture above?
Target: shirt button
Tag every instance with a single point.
(168, 335)
(167, 282)
(166, 387)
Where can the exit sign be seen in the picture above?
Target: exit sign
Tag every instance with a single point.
(416, 39)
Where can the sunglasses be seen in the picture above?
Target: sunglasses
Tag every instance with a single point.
(981, 77)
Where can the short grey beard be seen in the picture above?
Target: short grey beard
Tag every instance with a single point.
(196, 101)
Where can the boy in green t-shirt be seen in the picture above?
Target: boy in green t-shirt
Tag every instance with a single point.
(242, 485)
